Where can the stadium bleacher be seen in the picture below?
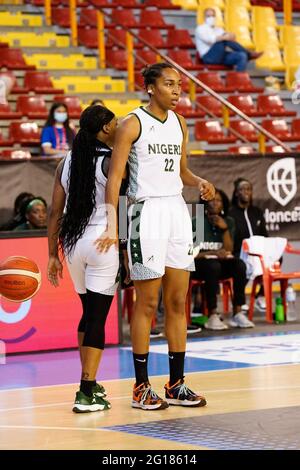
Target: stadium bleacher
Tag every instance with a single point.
(44, 64)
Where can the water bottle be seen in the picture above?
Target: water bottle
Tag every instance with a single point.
(291, 312)
(279, 311)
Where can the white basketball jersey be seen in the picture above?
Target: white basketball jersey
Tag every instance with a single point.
(154, 159)
(98, 216)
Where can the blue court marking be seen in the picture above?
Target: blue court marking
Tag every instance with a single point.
(195, 431)
(53, 368)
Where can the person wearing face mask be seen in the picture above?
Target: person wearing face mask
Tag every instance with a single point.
(57, 135)
(215, 46)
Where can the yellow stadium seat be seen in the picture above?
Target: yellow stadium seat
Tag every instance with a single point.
(237, 15)
(290, 78)
(271, 59)
(241, 3)
(264, 16)
(263, 35)
(186, 4)
(243, 35)
(59, 62)
(19, 19)
(24, 39)
(290, 35)
(292, 54)
(79, 84)
(120, 108)
(219, 16)
(11, 2)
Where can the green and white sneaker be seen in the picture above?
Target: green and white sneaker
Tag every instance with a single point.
(84, 404)
(99, 390)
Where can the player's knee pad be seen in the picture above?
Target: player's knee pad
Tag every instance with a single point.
(97, 309)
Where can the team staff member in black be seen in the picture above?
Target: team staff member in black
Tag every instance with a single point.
(215, 261)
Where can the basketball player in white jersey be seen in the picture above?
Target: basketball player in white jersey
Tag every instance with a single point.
(160, 246)
(77, 218)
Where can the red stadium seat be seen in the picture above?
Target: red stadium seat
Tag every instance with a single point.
(273, 105)
(13, 59)
(212, 132)
(210, 105)
(40, 82)
(144, 57)
(242, 149)
(153, 37)
(185, 83)
(126, 4)
(5, 142)
(100, 3)
(117, 58)
(33, 107)
(88, 37)
(162, 4)
(16, 154)
(184, 59)
(116, 37)
(179, 38)
(296, 128)
(72, 103)
(245, 104)
(214, 81)
(139, 81)
(241, 81)
(7, 113)
(245, 129)
(88, 18)
(24, 133)
(185, 108)
(153, 19)
(274, 149)
(61, 17)
(123, 18)
(279, 128)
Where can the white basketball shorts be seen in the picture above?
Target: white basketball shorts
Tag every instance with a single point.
(90, 269)
(160, 235)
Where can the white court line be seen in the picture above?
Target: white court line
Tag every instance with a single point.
(154, 376)
(56, 428)
(122, 397)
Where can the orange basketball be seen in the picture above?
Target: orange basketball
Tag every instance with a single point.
(20, 278)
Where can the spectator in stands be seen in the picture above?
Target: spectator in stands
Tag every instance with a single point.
(57, 135)
(6, 84)
(97, 101)
(17, 219)
(215, 261)
(249, 221)
(34, 211)
(215, 46)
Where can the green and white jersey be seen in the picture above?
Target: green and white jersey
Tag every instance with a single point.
(154, 158)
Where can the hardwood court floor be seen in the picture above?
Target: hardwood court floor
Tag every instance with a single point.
(41, 418)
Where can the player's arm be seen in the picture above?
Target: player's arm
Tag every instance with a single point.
(126, 134)
(206, 189)
(57, 207)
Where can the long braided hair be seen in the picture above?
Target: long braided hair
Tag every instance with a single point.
(82, 179)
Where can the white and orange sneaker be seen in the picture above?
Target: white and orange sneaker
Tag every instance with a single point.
(179, 394)
(146, 399)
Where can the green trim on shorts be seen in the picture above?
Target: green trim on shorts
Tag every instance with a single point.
(135, 244)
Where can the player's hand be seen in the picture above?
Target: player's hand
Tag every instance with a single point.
(207, 190)
(54, 270)
(106, 240)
